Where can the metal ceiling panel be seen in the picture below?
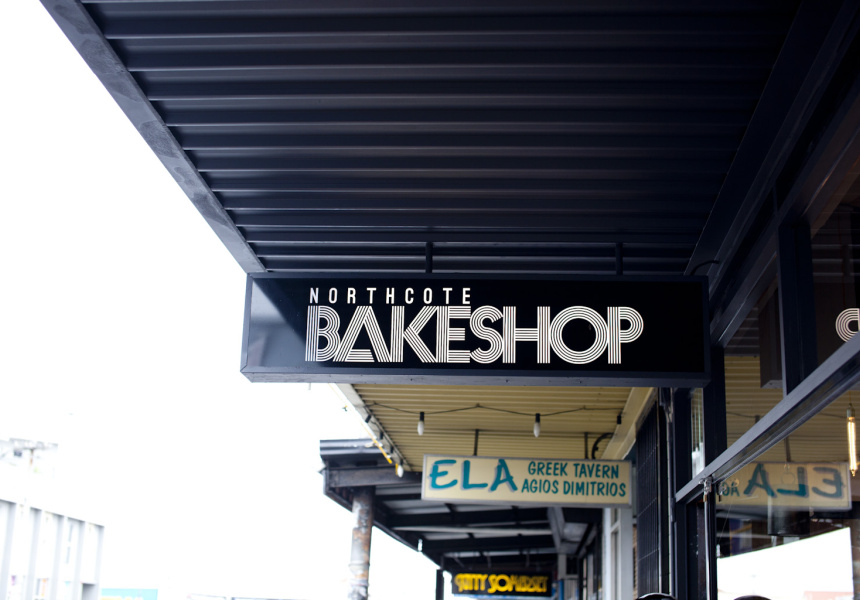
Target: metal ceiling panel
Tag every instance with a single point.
(552, 137)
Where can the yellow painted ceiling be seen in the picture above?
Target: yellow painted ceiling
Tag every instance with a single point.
(572, 418)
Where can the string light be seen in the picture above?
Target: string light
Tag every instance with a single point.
(421, 424)
(852, 441)
(537, 425)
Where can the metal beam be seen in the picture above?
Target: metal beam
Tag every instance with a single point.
(339, 477)
(796, 304)
(466, 518)
(812, 51)
(714, 410)
(509, 235)
(489, 544)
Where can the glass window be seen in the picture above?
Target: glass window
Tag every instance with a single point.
(753, 364)
(785, 522)
(836, 266)
(697, 435)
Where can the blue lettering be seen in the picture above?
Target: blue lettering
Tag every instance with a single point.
(467, 485)
(759, 474)
(802, 488)
(836, 482)
(502, 469)
(435, 474)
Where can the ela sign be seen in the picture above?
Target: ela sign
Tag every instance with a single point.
(424, 330)
(479, 479)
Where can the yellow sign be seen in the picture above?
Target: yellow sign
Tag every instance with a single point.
(824, 486)
(507, 584)
(479, 479)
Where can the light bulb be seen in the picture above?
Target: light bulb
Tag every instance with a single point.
(421, 424)
(537, 425)
(400, 470)
(852, 441)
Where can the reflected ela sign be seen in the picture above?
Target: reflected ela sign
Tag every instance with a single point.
(430, 329)
(479, 479)
(822, 486)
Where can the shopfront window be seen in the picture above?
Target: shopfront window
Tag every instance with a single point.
(836, 266)
(697, 434)
(786, 524)
(753, 367)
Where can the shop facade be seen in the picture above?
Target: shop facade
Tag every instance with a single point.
(413, 147)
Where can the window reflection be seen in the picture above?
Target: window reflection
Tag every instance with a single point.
(786, 522)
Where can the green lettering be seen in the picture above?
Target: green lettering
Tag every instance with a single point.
(503, 475)
(467, 485)
(836, 482)
(802, 488)
(435, 474)
(759, 479)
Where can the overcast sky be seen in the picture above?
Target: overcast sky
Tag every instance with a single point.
(121, 325)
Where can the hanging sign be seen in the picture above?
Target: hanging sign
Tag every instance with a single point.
(480, 479)
(820, 486)
(616, 331)
(486, 585)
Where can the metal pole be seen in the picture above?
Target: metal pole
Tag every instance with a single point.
(440, 584)
(710, 540)
(359, 561)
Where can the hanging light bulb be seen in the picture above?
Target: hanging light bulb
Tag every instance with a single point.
(852, 441)
(537, 425)
(399, 470)
(421, 424)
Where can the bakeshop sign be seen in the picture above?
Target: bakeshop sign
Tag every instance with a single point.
(429, 330)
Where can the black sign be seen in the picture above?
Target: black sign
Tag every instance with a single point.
(598, 331)
(502, 584)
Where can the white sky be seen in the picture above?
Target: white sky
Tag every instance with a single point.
(120, 331)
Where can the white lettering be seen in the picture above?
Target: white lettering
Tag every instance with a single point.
(843, 323)
(623, 325)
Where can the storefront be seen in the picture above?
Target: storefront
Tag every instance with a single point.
(514, 161)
